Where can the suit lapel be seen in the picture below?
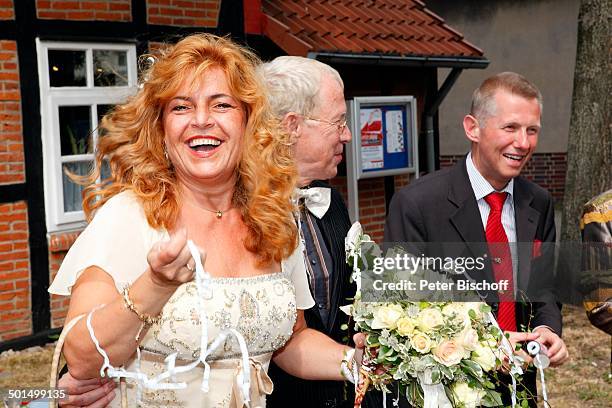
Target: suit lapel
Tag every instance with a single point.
(526, 218)
(466, 218)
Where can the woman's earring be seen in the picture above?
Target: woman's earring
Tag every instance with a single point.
(168, 162)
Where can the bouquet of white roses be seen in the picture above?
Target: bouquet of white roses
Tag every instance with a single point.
(438, 350)
(441, 354)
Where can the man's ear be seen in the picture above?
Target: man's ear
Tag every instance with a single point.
(291, 123)
(471, 128)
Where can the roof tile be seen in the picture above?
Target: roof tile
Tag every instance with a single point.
(363, 26)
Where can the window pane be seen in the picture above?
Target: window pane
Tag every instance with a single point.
(67, 68)
(110, 68)
(102, 110)
(75, 130)
(105, 171)
(72, 191)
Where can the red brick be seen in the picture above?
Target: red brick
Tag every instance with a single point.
(166, 11)
(52, 15)
(159, 20)
(22, 226)
(8, 45)
(11, 236)
(22, 284)
(16, 168)
(7, 55)
(108, 16)
(195, 13)
(22, 264)
(12, 315)
(6, 286)
(11, 256)
(7, 15)
(65, 5)
(6, 117)
(119, 6)
(8, 276)
(12, 216)
(80, 15)
(41, 4)
(93, 5)
(23, 304)
(184, 3)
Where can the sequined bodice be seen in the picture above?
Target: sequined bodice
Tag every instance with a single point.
(261, 308)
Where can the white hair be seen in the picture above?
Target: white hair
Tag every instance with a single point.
(293, 83)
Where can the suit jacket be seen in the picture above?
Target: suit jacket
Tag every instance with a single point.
(441, 207)
(290, 391)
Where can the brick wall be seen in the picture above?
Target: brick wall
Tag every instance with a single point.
(7, 12)
(59, 244)
(11, 142)
(192, 13)
(105, 10)
(15, 308)
(546, 169)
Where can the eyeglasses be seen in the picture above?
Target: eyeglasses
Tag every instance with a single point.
(339, 124)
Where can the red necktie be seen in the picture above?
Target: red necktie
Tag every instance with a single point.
(502, 260)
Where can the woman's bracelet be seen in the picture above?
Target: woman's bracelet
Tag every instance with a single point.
(146, 319)
(348, 366)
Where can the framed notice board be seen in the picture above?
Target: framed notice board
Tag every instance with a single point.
(385, 140)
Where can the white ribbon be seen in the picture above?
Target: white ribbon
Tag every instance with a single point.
(204, 288)
(316, 199)
(515, 366)
(434, 395)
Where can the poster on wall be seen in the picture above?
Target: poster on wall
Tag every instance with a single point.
(395, 131)
(384, 138)
(372, 156)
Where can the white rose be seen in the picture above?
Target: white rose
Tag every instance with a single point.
(386, 317)
(449, 353)
(475, 306)
(468, 397)
(468, 339)
(429, 319)
(405, 326)
(484, 356)
(420, 342)
(459, 310)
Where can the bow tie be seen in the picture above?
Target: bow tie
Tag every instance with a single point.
(316, 199)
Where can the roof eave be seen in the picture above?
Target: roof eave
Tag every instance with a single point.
(408, 60)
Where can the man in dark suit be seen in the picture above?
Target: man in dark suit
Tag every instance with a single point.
(483, 198)
(308, 98)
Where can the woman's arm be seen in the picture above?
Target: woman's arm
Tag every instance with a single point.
(310, 354)
(115, 326)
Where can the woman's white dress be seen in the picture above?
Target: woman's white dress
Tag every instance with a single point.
(261, 308)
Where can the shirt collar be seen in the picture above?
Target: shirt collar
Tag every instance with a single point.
(480, 185)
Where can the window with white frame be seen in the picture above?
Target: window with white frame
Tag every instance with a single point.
(79, 83)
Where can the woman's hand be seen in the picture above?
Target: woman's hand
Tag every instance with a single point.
(171, 262)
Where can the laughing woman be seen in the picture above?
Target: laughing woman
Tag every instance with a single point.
(194, 156)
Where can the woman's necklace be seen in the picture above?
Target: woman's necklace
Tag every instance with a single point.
(218, 213)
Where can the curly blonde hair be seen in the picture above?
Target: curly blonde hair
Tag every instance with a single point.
(133, 145)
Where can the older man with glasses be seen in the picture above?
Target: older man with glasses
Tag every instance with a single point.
(308, 98)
